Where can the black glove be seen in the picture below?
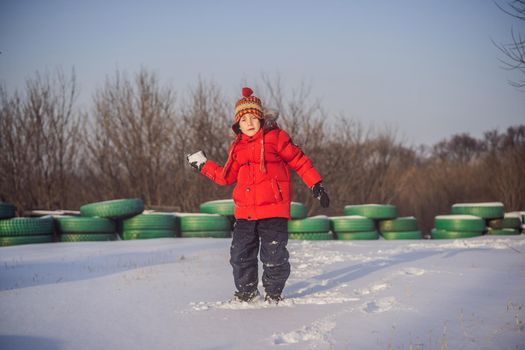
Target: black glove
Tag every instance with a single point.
(319, 193)
(197, 159)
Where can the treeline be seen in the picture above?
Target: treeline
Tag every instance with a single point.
(133, 140)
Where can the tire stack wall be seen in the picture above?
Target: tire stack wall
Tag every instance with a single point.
(385, 221)
(116, 210)
(475, 219)
(196, 225)
(150, 225)
(224, 207)
(457, 226)
(510, 224)
(298, 210)
(80, 229)
(354, 227)
(315, 228)
(15, 231)
(400, 228)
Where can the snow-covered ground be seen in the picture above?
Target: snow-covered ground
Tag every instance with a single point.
(172, 294)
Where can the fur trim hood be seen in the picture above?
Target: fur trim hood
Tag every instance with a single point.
(270, 119)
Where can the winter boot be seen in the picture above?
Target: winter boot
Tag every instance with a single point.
(245, 297)
(273, 298)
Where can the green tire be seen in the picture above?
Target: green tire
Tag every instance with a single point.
(311, 224)
(352, 223)
(86, 237)
(404, 224)
(402, 235)
(483, 210)
(205, 234)
(150, 222)
(114, 209)
(446, 234)
(297, 210)
(27, 226)
(7, 210)
(503, 231)
(203, 222)
(507, 222)
(75, 224)
(224, 207)
(8, 241)
(372, 211)
(459, 223)
(311, 236)
(147, 234)
(350, 236)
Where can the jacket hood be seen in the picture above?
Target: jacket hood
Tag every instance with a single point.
(270, 119)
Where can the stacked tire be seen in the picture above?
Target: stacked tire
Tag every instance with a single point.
(148, 226)
(117, 209)
(225, 207)
(314, 228)
(372, 211)
(385, 221)
(84, 229)
(194, 225)
(400, 228)
(475, 219)
(486, 211)
(298, 210)
(114, 210)
(457, 226)
(510, 224)
(15, 231)
(354, 227)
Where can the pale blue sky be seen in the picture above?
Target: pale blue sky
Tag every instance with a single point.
(426, 68)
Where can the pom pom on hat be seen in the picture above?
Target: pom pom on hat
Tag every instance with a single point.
(247, 92)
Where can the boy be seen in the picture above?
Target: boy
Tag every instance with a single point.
(258, 161)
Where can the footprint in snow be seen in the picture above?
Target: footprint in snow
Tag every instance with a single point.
(317, 331)
(373, 289)
(412, 271)
(378, 306)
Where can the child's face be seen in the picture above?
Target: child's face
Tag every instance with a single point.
(249, 124)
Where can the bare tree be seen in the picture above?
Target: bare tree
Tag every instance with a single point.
(461, 148)
(514, 52)
(14, 164)
(503, 167)
(39, 134)
(206, 120)
(131, 138)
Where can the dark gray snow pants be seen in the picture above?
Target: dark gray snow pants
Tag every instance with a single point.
(273, 236)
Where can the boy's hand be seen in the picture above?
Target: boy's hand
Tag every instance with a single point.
(319, 193)
(197, 159)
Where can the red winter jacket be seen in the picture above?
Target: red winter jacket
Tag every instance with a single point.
(262, 190)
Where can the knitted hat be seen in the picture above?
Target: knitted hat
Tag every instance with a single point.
(248, 104)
